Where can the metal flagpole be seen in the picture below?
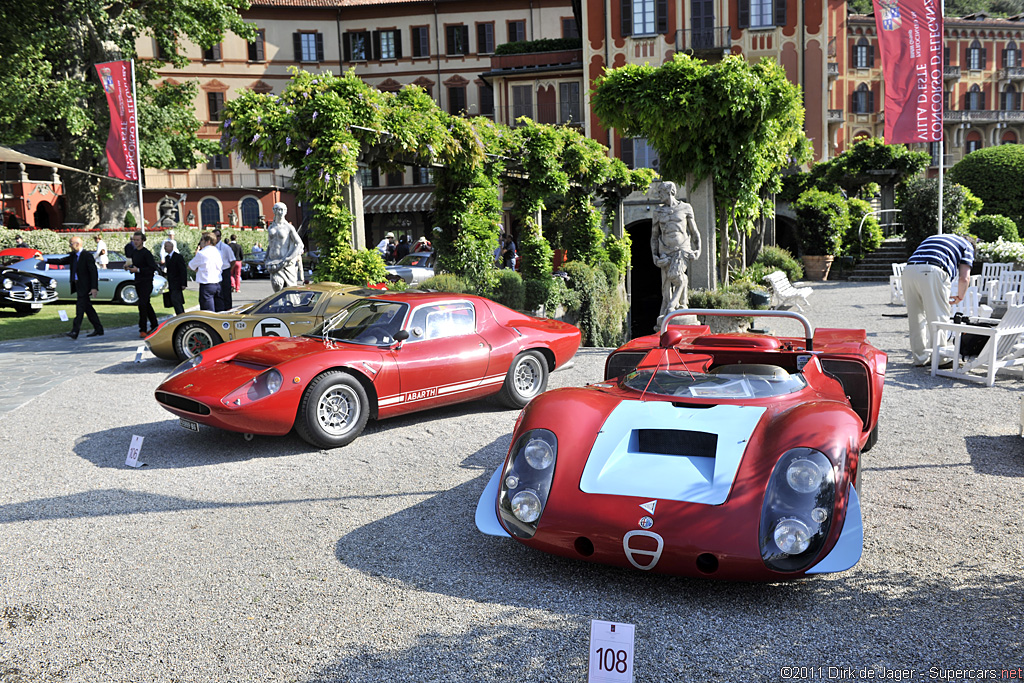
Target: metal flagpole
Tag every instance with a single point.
(138, 144)
(942, 127)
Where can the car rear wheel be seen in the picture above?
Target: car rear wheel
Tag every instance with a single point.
(127, 294)
(193, 338)
(526, 378)
(333, 410)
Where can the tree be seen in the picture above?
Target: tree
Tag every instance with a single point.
(996, 176)
(866, 163)
(737, 123)
(51, 90)
(919, 201)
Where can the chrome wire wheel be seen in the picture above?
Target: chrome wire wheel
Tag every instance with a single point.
(196, 340)
(338, 410)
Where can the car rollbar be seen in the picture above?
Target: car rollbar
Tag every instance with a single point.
(736, 313)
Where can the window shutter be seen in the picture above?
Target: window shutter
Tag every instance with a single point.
(626, 9)
(780, 12)
(417, 49)
(984, 57)
(743, 16)
(464, 30)
(319, 47)
(376, 47)
(945, 56)
(871, 56)
(661, 16)
(297, 41)
(346, 46)
(627, 152)
(853, 103)
(1004, 58)
(398, 44)
(449, 40)
(871, 102)
(481, 38)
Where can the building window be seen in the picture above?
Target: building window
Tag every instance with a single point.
(761, 13)
(485, 38)
(636, 153)
(569, 28)
(387, 44)
(863, 54)
(933, 150)
(396, 179)
(486, 96)
(522, 101)
(357, 46)
(309, 47)
(250, 212)
(516, 31)
(1010, 99)
(975, 99)
(209, 212)
(643, 17)
(945, 100)
(257, 51)
(218, 162)
(420, 41)
(972, 146)
(1011, 55)
(212, 54)
(975, 57)
(422, 176)
(215, 101)
(370, 177)
(457, 100)
(569, 102)
(863, 100)
(456, 40)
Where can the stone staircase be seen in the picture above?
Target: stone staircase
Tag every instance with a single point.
(877, 266)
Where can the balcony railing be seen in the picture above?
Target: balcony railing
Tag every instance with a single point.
(566, 113)
(701, 39)
(950, 73)
(835, 116)
(217, 179)
(949, 160)
(981, 116)
(833, 70)
(1012, 73)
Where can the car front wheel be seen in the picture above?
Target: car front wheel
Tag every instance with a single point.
(526, 378)
(127, 294)
(193, 338)
(333, 410)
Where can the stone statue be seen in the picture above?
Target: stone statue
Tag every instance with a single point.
(232, 218)
(675, 241)
(284, 251)
(167, 210)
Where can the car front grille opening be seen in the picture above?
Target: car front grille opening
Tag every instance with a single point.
(707, 563)
(584, 546)
(680, 442)
(182, 403)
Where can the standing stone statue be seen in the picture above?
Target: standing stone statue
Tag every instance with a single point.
(675, 241)
(284, 251)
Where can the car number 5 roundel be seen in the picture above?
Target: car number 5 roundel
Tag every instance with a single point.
(271, 327)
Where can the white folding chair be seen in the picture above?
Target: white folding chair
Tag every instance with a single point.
(1002, 352)
(896, 284)
(990, 272)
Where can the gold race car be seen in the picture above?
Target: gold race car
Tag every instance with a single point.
(291, 312)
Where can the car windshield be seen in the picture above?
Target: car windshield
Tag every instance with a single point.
(415, 260)
(366, 321)
(290, 301)
(725, 381)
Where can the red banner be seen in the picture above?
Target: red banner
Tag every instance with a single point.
(122, 142)
(910, 41)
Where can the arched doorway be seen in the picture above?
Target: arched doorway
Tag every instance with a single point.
(45, 216)
(645, 281)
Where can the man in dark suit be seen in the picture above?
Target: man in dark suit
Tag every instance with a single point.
(84, 283)
(177, 276)
(144, 267)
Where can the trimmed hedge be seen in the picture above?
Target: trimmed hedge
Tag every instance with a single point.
(822, 220)
(991, 228)
(995, 175)
(776, 258)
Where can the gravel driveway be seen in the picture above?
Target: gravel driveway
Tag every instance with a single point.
(227, 560)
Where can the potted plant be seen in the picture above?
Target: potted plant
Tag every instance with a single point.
(822, 219)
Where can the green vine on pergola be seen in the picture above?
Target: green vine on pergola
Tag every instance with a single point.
(321, 125)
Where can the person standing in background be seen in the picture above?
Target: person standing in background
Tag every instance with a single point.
(84, 284)
(207, 264)
(101, 253)
(226, 256)
(236, 265)
(144, 266)
(177, 276)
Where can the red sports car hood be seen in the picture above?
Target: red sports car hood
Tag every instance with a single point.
(283, 350)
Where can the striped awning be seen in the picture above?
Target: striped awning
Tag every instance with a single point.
(398, 202)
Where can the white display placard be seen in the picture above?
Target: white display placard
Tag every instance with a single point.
(133, 452)
(63, 315)
(611, 652)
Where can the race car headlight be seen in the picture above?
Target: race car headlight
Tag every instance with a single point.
(8, 283)
(187, 365)
(797, 510)
(260, 386)
(526, 481)
(52, 284)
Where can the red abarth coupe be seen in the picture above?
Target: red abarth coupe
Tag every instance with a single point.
(380, 356)
(730, 456)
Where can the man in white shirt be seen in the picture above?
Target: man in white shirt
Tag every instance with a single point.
(101, 253)
(227, 258)
(207, 264)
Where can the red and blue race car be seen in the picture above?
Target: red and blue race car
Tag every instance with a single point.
(728, 456)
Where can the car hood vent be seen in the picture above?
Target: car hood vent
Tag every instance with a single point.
(653, 449)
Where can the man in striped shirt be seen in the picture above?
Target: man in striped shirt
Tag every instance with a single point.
(926, 285)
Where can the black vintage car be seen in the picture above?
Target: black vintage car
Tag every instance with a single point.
(254, 265)
(25, 292)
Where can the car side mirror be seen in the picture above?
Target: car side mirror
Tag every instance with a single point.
(401, 335)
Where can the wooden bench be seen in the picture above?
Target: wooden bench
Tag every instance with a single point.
(784, 293)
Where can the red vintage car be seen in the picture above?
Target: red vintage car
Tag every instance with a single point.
(382, 355)
(729, 456)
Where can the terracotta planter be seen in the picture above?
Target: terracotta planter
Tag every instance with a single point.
(817, 267)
